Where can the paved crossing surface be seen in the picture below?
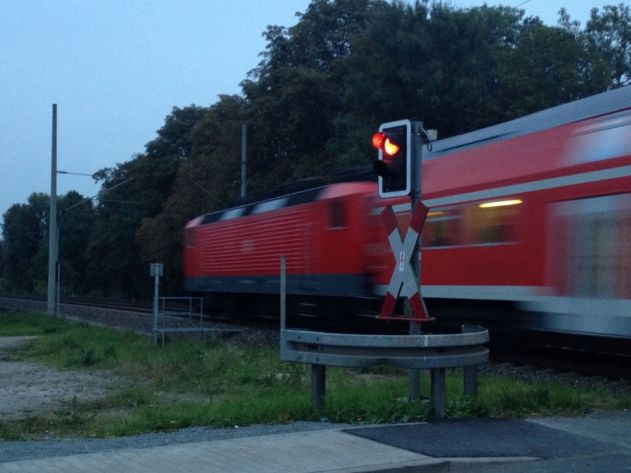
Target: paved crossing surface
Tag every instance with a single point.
(595, 443)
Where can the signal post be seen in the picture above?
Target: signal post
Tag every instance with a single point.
(398, 167)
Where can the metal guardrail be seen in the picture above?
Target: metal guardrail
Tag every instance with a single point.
(401, 351)
(434, 352)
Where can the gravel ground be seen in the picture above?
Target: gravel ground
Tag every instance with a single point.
(31, 389)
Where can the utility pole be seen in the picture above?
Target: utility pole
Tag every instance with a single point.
(244, 159)
(53, 243)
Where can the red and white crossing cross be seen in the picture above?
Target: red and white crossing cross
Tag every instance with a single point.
(404, 281)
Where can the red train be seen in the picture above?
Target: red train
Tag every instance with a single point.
(535, 211)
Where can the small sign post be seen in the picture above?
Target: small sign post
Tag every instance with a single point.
(156, 270)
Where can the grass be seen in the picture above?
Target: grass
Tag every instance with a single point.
(190, 383)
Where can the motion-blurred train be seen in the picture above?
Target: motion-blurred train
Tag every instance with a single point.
(535, 212)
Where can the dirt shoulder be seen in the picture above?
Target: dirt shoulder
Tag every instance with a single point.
(29, 389)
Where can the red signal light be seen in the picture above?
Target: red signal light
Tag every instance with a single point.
(394, 160)
(381, 141)
(378, 139)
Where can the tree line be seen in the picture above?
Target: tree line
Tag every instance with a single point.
(320, 90)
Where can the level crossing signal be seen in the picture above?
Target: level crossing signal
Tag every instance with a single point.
(394, 160)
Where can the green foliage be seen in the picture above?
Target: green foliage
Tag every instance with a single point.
(190, 383)
(25, 235)
(21, 324)
(206, 179)
(75, 222)
(609, 32)
(505, 397)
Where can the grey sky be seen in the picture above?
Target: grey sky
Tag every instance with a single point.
(116, 68)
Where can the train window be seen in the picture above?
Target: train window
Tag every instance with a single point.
(232, 213)
(600, 139)
(492, 222)
(270, 205)
(443, 227)
(483, 223)
(594, 261)
(337, 214)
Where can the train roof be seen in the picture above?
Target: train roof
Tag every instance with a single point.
(600, 104)
(283, 201)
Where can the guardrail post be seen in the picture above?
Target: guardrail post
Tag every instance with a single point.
(415, 375)
(470, 373)
(438, 393)
(318, 385)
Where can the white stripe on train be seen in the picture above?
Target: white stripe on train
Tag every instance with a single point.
(514, 189)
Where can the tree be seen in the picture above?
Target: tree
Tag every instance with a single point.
(209, 179)
(76, 219)
(3, 283)
(114, 263)
(25, 234)
(294, 94)
(548, 68)
(436, 63)
(134, 191)
(609, 33)
(154, 172)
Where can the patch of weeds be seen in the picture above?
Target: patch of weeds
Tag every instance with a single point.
(380, 404)
(109, 353)
(515, 401)
(9, 433)
(68, 341)
(73, 415)
(74, 418)
(88, 358)
(134, 396)
(289, 374)
(465, 406)
(523, 398)
(84, 358)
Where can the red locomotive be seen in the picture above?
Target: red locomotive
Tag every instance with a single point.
(322, 233)
(535, 211)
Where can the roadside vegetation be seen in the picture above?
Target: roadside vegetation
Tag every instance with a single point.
(193, 383)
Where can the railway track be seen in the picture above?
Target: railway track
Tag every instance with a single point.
(597, 356)
(138, 316)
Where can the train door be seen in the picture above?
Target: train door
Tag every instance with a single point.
(591, 257)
